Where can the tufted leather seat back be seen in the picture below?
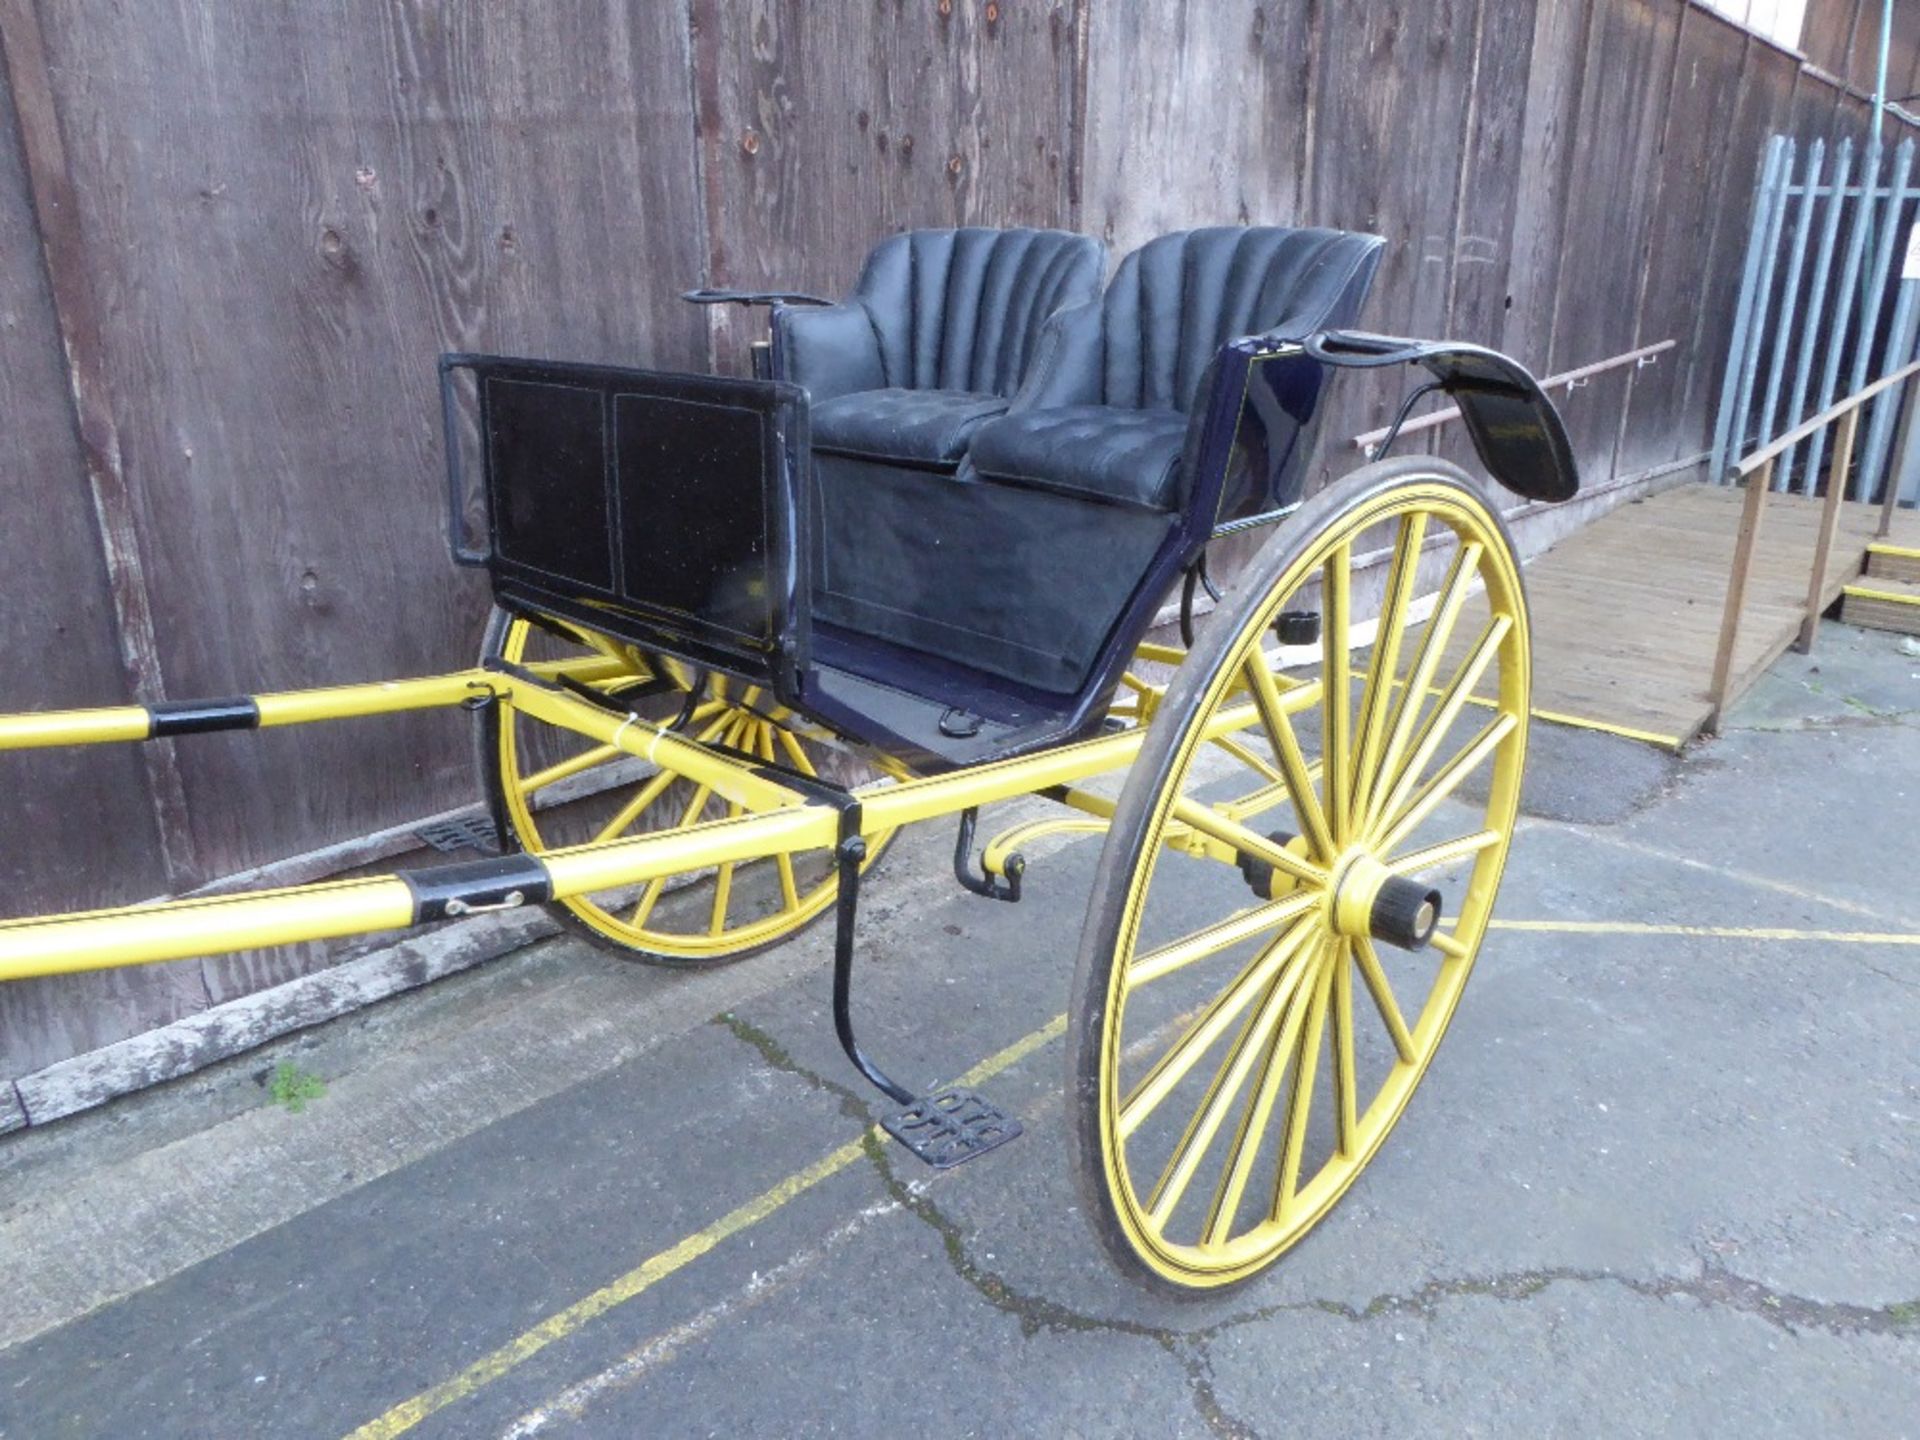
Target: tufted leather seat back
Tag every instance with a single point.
(1177, 299)
(962, 309)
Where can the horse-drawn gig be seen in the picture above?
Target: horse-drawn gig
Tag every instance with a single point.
(747, 629)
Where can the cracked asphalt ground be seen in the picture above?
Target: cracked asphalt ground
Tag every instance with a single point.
(1664, 1177)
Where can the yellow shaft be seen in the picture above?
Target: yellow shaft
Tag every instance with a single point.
(781, 821)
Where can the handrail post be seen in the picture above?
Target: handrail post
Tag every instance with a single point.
(1829, 523)
(1897, 464)
(1752, 512)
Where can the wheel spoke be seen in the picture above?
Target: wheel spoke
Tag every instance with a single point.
(696, 808)
(1306, 1067)
(1433, 857)
(1346, 1088)
(1286, 748)
(1214, 825)
(722, 895)
(1245, 1150)
(1221, 935)
(1185, 1052)
(1247, 757)
(1253, 1044)
(1336, 686)
(1433, 644)
(1444, 783)
(1452, 700)
(797, 753)
(1382, 991)
(1385, 661)
(631, 811)
(648, 899)
(1451, 946)
(566, 769)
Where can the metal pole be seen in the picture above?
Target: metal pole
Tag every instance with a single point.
(1771, 176)
(1817, 306)
(1847, 305)
(1880, 78)
(1746, 360)
(1876, 294)
(1790, 297)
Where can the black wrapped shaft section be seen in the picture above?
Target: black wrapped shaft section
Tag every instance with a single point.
(503, 882)
(1405, 913)
(201, 717)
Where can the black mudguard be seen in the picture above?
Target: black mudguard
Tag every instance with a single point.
(1514, 426)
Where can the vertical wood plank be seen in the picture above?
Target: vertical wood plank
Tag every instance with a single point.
(1393, 100)
(1611, 195)
(825, 127)
(63, 813)
(1546, 156)
(1156, 160)
(70, 275)
(1669, 413)
(1829, 525)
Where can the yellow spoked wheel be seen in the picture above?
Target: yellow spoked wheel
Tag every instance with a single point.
(1262, 982)
(555, 788)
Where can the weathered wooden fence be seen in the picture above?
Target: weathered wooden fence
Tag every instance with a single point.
(233, 238)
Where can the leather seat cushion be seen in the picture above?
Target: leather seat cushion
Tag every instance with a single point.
(919, 427)
(1090, 452)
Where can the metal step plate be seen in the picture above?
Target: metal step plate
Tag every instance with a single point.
(950, 1127)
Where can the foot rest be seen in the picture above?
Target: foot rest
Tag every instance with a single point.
(950, 1127)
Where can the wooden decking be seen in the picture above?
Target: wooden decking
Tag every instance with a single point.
(1626, 612)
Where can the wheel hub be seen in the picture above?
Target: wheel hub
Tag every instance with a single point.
(1367, 900)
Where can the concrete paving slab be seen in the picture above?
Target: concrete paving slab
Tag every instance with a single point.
(1577, 1356)
(1655, 1183)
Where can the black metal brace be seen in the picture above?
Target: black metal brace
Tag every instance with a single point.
(1196, 575)
(984, 883)
(849, 851)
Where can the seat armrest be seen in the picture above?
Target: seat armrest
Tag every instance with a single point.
(707, 296)
(1067, 361)
(831, 350)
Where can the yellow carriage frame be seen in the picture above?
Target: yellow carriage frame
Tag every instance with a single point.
(1318, 891)
(1361, 736)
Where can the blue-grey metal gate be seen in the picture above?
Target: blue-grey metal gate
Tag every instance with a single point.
(1831, 285)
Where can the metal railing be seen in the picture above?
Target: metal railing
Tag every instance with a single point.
(1756, 471)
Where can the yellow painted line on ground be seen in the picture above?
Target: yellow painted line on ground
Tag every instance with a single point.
(1710, 932)
(563, 1323)
(1669, 742)
(1560, 717)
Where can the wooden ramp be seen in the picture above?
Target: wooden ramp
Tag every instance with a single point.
(1626, 612)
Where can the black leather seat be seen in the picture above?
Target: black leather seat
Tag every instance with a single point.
(1106, 415)
(1021, 563)
(932, 342)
